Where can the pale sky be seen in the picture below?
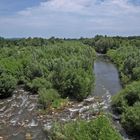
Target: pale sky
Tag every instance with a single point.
(69, 18)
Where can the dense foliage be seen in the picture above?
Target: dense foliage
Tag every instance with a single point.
(7, 85)
(98, 129)
(104, 43)
(127, 59)
(127, 103)
(66, 66)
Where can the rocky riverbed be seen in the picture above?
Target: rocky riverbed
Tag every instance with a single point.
(20, 115)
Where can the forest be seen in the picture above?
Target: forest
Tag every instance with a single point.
(58, 70)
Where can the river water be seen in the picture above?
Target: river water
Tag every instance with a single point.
(19, 113)
(107, 84)
(107, 78)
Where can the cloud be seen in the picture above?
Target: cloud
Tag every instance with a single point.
(74, 18)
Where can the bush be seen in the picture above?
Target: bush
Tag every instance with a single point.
(131, 119)
(7, 85)
(127, 97)
(81, 85)
(32, 70)
(39, 83)
(74, 83)
(136, 73)
(47, 97)
(128, 62)
(127, 103)
(98, 129)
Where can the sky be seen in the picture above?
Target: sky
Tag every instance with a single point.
(69, 18)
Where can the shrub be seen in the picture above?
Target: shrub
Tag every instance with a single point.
(98, 129)
(47, 97)
(131, 119)
(128, 62)
(136, 73)
(127, 103)
(39, 83)
(32, 70)
(74, 83)
(7, 85)
(128, 96)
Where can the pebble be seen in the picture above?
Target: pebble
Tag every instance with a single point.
(28, 136)
(1, 138)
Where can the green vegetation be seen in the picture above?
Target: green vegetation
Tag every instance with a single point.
(103, 43)
(47, 97)
(127, 103)
(97, 129)
(7, 85)
(41, 65)
(127, 59)
(131, 119)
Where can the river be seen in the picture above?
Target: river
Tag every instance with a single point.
(107, 78)
(19, 113)
(107, 84)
